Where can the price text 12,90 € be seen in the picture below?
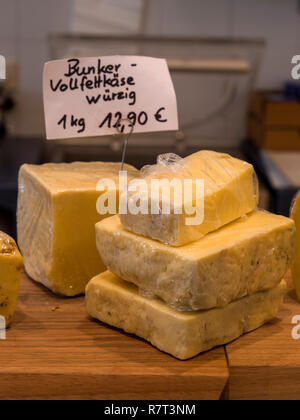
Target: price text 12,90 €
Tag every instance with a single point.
(117, 120)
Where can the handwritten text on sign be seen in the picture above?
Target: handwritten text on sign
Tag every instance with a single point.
(97, 96)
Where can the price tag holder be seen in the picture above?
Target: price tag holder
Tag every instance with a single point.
(99, 96)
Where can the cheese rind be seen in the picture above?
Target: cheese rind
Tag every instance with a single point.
(296, 262)
(56, 222)
(249, 255)
(230, 191)
(11, 264)
(181, 334)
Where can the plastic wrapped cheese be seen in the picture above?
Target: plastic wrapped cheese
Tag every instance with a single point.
(11, 264)
(230, 190)
(182, 334)
(246, 256)
(56, 221)
(296, 263)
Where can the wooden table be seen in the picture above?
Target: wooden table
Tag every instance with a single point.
(54, 351)
(265, 364)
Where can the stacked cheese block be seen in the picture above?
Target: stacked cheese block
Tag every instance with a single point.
(56, 221)
(187, 289)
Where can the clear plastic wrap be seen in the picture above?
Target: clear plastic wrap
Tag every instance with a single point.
(56, 219)
(229, 191)
(239, 259)
(111, 300)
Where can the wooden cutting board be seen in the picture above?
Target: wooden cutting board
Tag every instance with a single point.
(265, 364)
(54, 351)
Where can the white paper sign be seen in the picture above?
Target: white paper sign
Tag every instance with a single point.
(101, 95)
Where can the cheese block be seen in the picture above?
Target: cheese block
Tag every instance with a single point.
(10, 273)
(182, 334)
(230, 191)
(56, 222)
(296, 263)
(249, 255)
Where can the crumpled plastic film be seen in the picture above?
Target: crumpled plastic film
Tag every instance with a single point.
(167, 164)
(148, 195)
(230, 191)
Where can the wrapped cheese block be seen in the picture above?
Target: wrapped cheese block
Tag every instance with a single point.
(56, 222)
(11, 264)
(246, 256)
(230, 191)
(296, 263)
(182, 334)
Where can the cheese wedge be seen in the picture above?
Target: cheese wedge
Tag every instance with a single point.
(182, 334)
(56, 222)
(10, 273)
(296, 263)
(247, 256)
(230, 191)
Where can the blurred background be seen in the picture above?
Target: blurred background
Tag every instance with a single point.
(230, 61)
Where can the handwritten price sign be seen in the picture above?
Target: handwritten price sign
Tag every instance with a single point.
(104, 95)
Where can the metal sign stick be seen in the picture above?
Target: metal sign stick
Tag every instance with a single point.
(126, 139)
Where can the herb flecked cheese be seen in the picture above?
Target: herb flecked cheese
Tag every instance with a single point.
(246, 256)
(182, 334)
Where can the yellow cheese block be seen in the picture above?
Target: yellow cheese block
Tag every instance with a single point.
(56, 222)
(230, 191)
(182, 334)
(296, 262)
(11, 264)
(249, 255)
